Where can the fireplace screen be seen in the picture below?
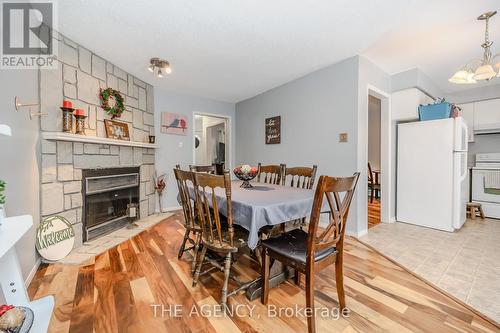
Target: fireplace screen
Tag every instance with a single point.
(108, 193)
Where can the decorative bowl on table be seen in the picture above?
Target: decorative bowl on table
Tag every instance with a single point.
(245, 173)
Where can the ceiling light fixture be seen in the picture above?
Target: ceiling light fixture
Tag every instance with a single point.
(480, 69)
(159, 66)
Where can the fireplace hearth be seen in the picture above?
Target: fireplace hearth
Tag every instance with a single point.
(107, 195)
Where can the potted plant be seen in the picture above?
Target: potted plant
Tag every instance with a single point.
(2, 199)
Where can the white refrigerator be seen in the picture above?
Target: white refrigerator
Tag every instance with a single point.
(432, 174)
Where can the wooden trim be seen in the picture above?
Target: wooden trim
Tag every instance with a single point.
(445, 293)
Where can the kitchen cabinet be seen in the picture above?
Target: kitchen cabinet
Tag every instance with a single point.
(468, 115)
(487, 116)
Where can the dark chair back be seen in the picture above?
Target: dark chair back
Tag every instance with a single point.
(371, 180)
(271, 174)
(302, 177)
(331, 188)
(184, 182)
(213, 231)
(203, 168)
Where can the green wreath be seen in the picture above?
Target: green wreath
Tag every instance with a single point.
(115, 110)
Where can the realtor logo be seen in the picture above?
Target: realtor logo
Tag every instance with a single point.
(27, 35)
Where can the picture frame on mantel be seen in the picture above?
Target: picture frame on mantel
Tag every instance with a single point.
(273, 130)
(116, 130)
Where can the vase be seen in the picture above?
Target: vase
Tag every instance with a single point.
(2, 213)
(159, 200)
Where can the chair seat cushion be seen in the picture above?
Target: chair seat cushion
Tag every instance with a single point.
(293, 245)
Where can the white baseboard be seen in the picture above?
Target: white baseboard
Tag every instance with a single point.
(32, 273)
(170, 209)
(357, 234)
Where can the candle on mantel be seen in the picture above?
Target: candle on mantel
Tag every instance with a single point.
(79, 112)
(67, 104)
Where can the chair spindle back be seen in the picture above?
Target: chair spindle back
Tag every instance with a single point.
(208, 209)
(301, 177)
(271, 174)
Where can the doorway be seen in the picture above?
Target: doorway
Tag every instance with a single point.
(374, 158)
(211, 141)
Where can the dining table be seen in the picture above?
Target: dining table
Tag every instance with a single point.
(264, 205)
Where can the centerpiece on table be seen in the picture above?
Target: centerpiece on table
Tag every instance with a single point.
(245, 173)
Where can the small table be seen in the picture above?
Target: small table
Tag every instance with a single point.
(11, 279)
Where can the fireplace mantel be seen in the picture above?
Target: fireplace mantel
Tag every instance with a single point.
(60, 136)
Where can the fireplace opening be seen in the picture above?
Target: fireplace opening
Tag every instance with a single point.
(108, 195)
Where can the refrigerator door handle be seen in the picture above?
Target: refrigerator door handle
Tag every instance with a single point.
(465, 137)
(463, 165)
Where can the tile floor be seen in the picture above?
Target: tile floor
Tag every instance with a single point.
(90, 249)
(466, 263)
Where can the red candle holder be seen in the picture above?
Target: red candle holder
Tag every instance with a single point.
(67, 118)
(80, 121)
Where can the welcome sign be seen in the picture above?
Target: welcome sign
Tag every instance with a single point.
(55, 238)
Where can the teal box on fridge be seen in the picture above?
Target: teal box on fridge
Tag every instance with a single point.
(434, 111)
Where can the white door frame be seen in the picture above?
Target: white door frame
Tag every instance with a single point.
(229, 136)
(385, 151)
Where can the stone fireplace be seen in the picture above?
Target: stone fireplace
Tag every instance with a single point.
(110, 200)
(68, 159)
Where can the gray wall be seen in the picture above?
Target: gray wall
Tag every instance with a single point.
(314, 109)
(370, 76)
(415, 78)
(374, 108)
(177, 149)
(19, 161)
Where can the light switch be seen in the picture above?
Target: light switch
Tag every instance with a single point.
(343, 137)
(181, 144)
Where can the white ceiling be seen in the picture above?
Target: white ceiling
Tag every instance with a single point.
(231, 50)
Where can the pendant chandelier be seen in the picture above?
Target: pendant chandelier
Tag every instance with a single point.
(480, 69)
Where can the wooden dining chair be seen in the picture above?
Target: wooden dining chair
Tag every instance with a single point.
(271, 174)
(301, 177)
(312, 251)
(203, 168)
(184, 181)
(222, 238)
(372, 185)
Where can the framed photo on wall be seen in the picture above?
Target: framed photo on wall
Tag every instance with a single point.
(273, 130)
(172, 123)
(116, 130)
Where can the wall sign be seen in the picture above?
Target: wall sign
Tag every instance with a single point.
(273, 130)
(55, 238)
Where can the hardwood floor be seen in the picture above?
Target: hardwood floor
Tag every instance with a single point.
(114, 292)
(373, 213)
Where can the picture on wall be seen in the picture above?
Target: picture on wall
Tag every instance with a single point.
(116, 130)
(273, 130)
(172, 123)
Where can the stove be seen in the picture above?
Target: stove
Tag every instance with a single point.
(486, 183)
(487, 161)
